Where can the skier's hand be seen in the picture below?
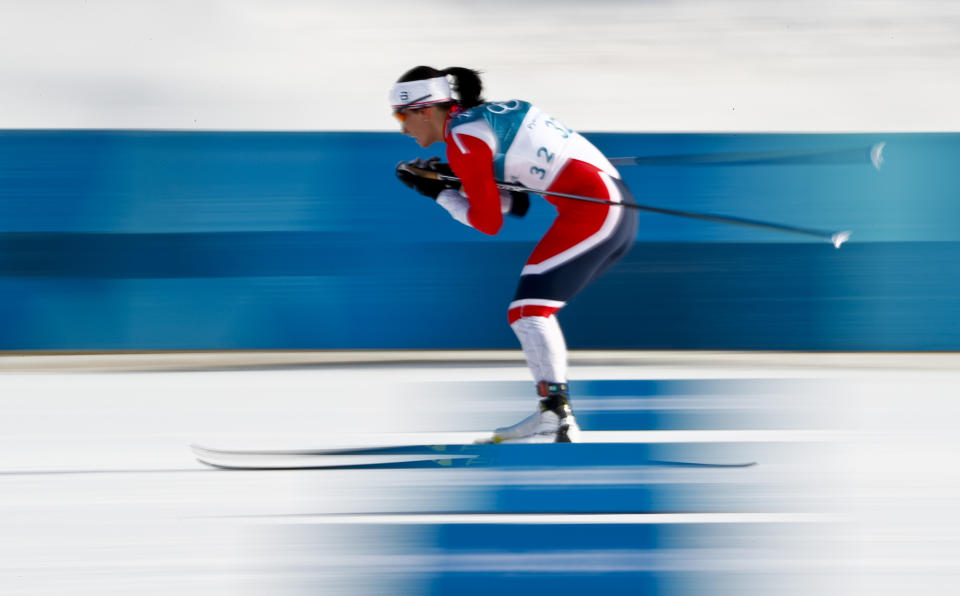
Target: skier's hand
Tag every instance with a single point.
(426, 186)
(514, 202)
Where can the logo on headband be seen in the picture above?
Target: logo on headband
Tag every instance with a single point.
(403, 92)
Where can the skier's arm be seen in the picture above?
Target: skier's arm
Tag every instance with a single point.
(478, 204)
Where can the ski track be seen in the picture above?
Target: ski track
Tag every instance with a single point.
(855, 490)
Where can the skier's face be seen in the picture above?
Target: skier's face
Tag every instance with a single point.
(425, 125)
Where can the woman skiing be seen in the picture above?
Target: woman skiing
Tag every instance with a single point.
(515, 142)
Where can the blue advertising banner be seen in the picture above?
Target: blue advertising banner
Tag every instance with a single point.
(150, 240)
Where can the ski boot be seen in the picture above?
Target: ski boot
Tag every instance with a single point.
(553, 422)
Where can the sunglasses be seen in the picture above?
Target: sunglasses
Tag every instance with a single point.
(401, 114)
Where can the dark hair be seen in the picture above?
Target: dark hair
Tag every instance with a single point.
(466, 82)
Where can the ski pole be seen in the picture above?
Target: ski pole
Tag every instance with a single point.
(835, 238)
(872, 155)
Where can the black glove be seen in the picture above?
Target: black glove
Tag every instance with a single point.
(519, 203)
(426, 186)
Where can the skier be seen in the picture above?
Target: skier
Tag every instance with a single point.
(515, 142)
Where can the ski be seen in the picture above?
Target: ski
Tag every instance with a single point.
(446, 456)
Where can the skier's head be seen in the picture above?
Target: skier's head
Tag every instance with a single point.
(423, 96)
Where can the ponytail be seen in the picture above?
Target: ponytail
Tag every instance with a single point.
(467, 85)
(466, 82)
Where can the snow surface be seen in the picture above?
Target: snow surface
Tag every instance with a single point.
(856, 490)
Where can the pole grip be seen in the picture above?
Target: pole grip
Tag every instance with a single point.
(429, 174)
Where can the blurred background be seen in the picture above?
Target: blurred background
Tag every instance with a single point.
(202, 240)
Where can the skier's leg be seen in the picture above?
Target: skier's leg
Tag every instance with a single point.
(544, 290)
(546, 353)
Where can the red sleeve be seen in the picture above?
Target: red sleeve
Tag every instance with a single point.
(474, 166)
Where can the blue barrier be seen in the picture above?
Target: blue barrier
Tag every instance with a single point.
(140, 240)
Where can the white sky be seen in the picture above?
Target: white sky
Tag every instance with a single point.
(683, 65)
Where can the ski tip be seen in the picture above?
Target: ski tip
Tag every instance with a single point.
(202, 455)
(200, 450)
(210, 465)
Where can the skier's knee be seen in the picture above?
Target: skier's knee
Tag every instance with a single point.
(519, 311)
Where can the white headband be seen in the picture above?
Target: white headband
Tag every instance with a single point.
(415, 94)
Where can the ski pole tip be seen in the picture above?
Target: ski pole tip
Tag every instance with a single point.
(876, 155)
(839, 238)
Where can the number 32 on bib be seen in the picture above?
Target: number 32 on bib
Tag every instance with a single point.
(538, 151)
